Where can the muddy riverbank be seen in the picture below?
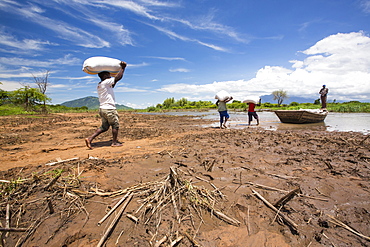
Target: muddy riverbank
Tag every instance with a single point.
(185, 184)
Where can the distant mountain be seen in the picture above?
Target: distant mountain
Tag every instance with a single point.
(90, 102)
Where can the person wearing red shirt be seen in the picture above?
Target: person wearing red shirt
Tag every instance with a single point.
(252, 114)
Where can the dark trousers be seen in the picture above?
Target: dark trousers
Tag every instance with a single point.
(323, 101)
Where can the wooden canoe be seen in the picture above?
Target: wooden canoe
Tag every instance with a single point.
(301, 116)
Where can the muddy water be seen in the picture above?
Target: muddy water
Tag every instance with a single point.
(357, 122)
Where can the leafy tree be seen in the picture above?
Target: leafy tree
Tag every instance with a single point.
(28, 97)
(182, 102)
(4, 96)
(280, 96)
(167, 103)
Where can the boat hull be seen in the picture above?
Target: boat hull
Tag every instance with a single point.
(300, 116)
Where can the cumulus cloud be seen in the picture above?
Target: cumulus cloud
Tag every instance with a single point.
(341, 61)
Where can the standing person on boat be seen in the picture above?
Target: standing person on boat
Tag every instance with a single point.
(252, 113)
(107, 108)
(222, 110)
(323, 96)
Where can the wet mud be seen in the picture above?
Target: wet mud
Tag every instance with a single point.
(183, 184)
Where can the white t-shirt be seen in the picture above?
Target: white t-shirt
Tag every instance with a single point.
(106, 94)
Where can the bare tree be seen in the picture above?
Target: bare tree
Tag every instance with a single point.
(280, 95)
(42, 82)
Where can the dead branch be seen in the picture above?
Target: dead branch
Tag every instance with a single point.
(192, 240)
(287, 197)
(113, 209)
(288, 221)
(339, 223)
(114, 222)
(226, 218)
(13, 229)
(176, 241)
(61, 161)
(52, 182)
(161, 241)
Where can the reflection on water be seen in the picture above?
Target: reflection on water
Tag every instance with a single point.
(357, 122)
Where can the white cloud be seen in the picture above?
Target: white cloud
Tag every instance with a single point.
(340, 61)
(174, 35)
(65, 31)
(183, 70)
(10, 85)
(17, 61)
(168, 58)
(26, 44)
(123, 35)
(121, 89)
(365, 4)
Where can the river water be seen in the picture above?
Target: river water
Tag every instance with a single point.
(356, 122)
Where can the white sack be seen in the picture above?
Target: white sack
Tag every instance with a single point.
(222, 95)
(252, 99)
(95, 65)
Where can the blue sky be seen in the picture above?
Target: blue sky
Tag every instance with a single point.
(189, 48)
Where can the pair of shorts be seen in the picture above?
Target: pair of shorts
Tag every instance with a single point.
(223, 115)
(251, 115)
(109, 117)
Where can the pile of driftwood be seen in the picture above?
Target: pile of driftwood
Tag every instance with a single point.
(172, 209)
(28, 202)
(171, 195)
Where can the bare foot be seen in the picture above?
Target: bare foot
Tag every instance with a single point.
(88, 143)
(225, 126)
(116, 144)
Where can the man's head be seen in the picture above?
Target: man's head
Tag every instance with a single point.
(104, 75)
(323, 85)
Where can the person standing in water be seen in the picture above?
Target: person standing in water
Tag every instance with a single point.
(222, 110)
(323, 96)
(107, 108)
(252, 113)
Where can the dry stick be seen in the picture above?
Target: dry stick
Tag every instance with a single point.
(114, 222)
(114, 208)
(61, 161)
(133, 218)
(364, 139)
(52, 182)
(286, 220)
(10, 229)
(321, 192)
(176, 241)
(282, 176)
(285, 191)
(226, 218)
(192, 240)
(31, 230)
(248, 225)
(214, 186)
(339, 223)
(175, 208)
(276, 215)
(7, 217)
(285, 199)
(240, 182)
(161, 241)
